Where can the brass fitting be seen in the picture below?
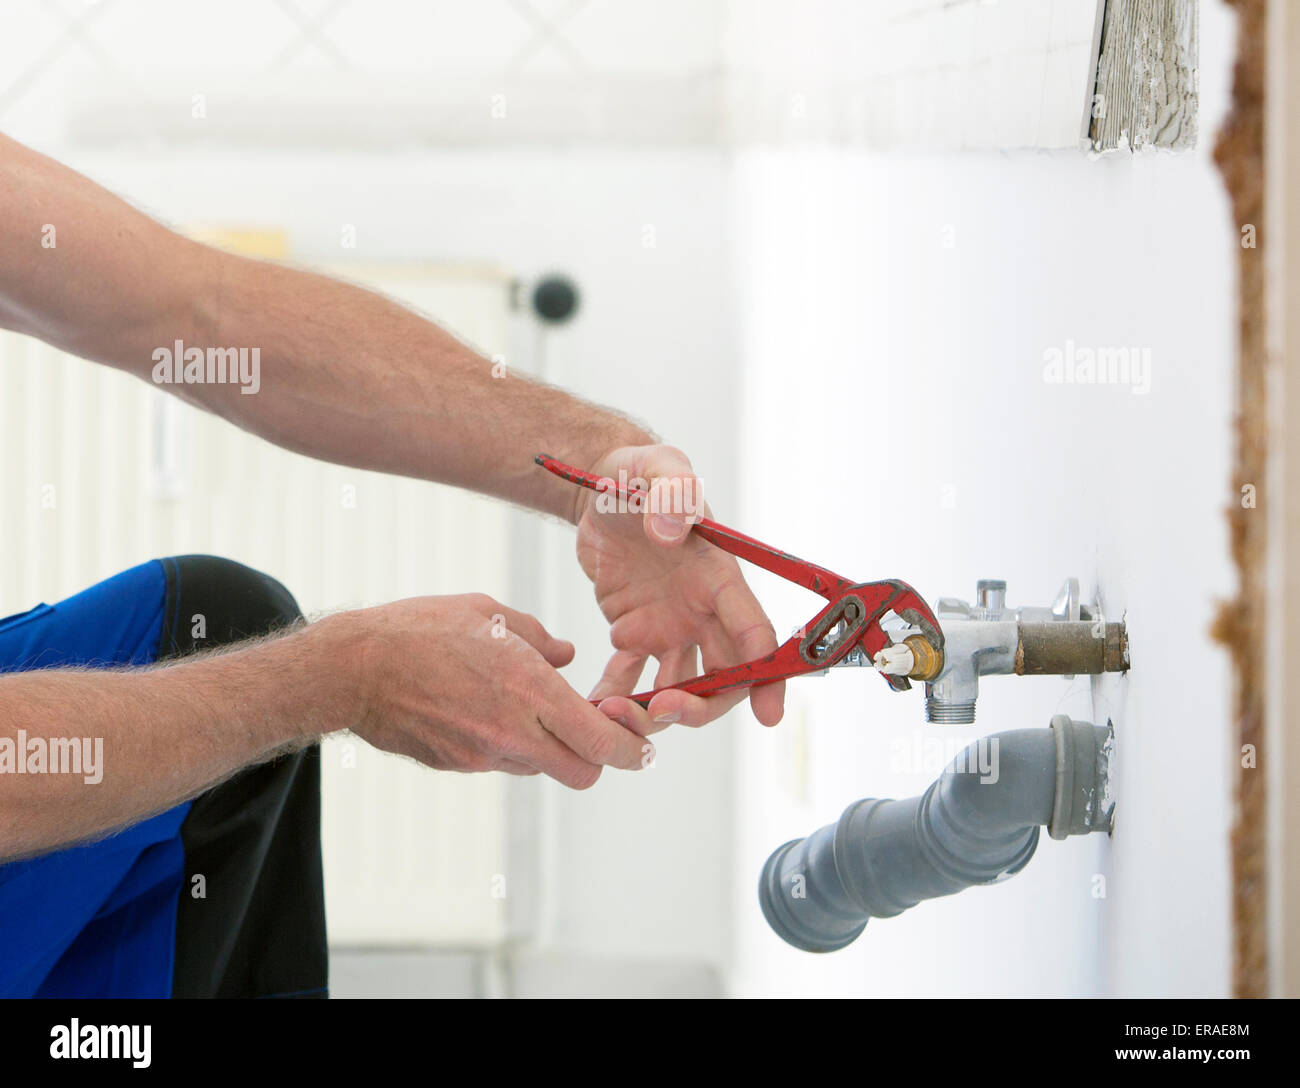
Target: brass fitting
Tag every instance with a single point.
(928, 659)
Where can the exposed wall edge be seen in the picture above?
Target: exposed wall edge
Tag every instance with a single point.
(1241, 622)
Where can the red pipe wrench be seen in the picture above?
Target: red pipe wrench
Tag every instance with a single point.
(850, 621)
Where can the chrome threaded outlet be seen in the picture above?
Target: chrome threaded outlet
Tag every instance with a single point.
(942, 713)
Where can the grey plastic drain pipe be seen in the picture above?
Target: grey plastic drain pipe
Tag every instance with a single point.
(977, 823)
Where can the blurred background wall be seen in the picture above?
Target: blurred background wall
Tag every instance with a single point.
(828, 234)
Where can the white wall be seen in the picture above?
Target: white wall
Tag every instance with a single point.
(896, 422)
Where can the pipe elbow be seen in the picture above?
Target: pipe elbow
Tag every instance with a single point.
(997, 786)
(978, 822)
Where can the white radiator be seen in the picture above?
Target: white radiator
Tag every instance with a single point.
(100, 472)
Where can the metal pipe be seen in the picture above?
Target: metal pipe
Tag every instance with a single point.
(1073, 647)
(977, 823)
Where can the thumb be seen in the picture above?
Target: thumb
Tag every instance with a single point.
(676, 498)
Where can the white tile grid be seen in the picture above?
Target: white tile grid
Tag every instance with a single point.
(487, 38)
(912, 74)
(570, 69)
(942, 82)
(937, 74)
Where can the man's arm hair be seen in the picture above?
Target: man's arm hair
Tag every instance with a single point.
(346, 375)
(150, 738)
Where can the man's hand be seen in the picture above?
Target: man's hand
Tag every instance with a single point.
(466, 684)
(668, 594)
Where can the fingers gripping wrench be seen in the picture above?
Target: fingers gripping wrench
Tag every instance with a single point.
(851, 620)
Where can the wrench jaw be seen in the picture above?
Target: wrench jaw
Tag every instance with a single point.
(901, 621)
(929, 664)
(897, 683)
(907, 622)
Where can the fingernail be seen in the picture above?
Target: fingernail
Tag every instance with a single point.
(666, 527)
(669, 717)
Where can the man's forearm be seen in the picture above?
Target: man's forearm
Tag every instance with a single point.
(346, 375)
(148, 739)
(341, 365)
